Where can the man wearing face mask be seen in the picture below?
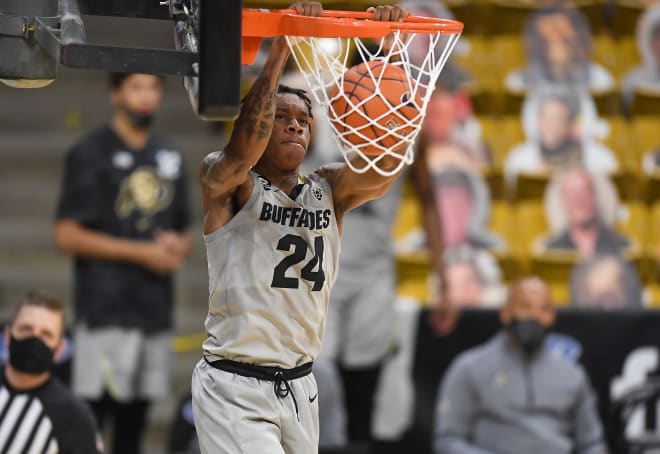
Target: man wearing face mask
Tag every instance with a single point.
(38, 413)
(512, 396)
(123, 215)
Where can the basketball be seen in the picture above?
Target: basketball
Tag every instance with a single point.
(376, 110)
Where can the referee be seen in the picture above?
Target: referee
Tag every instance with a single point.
(38, 414)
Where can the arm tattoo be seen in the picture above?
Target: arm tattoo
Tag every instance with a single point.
(264, 129)
(257, 114)
(250, 126)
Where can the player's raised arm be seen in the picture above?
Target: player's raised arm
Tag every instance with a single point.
(224, 176)
(221, 173)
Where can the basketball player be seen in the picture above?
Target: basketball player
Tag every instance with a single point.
(272, 239)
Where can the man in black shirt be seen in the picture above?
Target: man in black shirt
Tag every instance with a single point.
(123, 214)
(38, 414)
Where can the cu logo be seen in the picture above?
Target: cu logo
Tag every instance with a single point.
(639, 364)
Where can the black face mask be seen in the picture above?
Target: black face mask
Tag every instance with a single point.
(528, 332)
(30, 355)
(137, 119)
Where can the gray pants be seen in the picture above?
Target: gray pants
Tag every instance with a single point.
(125, 362)
(235, 414)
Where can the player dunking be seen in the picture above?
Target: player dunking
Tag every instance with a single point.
(272, 239)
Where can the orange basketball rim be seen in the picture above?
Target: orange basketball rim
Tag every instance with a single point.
(378, 125)
(258, 24)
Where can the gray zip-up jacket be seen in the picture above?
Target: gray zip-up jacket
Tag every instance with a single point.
(495, 400)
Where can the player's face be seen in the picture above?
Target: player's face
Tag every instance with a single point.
(554, 124)
(579, 199)
(291, 132)
(40, 322)
(139, 93)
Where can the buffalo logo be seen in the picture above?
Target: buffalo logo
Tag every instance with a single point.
(317, 193)
(265, 183)
(146, 194)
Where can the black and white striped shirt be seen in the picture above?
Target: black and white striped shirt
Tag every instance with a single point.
(45, 420)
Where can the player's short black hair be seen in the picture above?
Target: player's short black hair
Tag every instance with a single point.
(115, 80)
(302, 94)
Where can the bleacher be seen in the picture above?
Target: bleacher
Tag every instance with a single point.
(493, 35)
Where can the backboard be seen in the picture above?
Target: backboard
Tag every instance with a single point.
(38, 35)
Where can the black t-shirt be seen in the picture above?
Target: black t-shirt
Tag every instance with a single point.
(48, 419)
(130, 194)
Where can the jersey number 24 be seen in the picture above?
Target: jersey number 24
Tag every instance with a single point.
(309, 272)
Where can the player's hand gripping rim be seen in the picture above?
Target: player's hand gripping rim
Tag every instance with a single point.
(389, 13)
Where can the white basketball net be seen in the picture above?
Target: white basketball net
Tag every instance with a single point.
(323, 62)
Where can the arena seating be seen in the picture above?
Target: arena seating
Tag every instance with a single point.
(495, 48)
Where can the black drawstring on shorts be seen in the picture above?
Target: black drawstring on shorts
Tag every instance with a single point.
(283, 389)
(279, 377)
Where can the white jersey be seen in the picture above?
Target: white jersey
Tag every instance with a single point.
(271, 268)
